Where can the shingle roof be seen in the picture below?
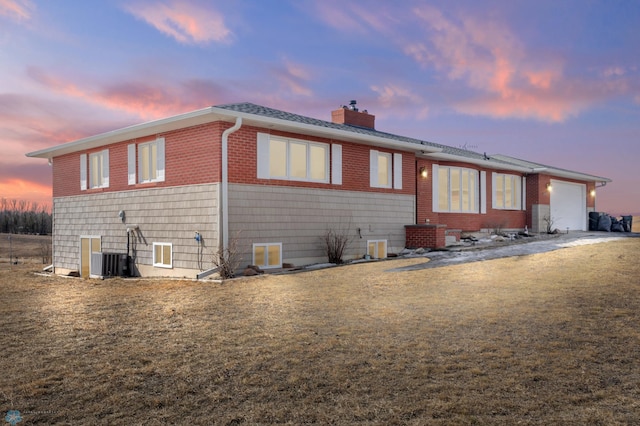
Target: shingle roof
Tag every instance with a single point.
(250, 108)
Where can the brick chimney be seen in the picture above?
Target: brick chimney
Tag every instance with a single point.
(351, 116)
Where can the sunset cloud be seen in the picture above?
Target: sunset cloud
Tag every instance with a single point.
(27, 190)
(294, 78)
(507, 81)
(401, 101)
(16, 9)
(146, 100)
(187, 22)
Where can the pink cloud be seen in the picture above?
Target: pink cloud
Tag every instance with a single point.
(488, 57)
(401, 101)
(146, 100)
(16, 9)
(294, 78)
(186, 22)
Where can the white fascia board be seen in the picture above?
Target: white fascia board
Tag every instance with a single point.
(327, 132)
(483, 163)
(575, 175)
(552, 171)
(193, 118)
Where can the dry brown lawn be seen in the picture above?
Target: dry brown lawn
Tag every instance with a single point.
(550, 338)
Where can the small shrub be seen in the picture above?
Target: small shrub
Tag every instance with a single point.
(336, 242)
(227, 260)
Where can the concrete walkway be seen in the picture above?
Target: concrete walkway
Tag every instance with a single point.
(495, 250)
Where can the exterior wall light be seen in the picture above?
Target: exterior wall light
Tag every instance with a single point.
(549, 187)
(423, 172)
(593, 192)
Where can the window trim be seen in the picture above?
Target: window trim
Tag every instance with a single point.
(134, 165)
(436, 189)
(376, 242)
(266, 257)
(516, 191)
(264, 158)
(394, 169)
(158, 264)
(87, 169)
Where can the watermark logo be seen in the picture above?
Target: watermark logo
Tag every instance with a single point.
(13, 417)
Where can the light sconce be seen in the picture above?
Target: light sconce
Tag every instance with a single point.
(593, 192)
(423, 172)
(549, 187)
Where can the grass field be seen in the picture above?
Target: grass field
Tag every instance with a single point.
(25, 248)
(551, 338)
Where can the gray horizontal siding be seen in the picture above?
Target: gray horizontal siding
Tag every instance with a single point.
(169, 215)
(300, 217)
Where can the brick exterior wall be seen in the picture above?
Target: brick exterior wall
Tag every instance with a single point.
(192, 156)
(508, 219)
(355, 163)
(425, 236)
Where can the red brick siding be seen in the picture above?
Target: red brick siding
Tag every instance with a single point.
(192, 156)
(464, 221)
(355, 163)
(425, 236)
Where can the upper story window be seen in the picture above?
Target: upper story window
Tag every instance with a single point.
(506, 191)
(293, 159)
(455, 189)
(385, 170)
(150, 162)
(98, 170)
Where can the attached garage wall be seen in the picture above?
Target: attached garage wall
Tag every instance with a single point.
(568, 205)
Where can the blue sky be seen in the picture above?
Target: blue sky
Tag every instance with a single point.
(557, 82)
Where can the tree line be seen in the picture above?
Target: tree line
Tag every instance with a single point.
(23, 217)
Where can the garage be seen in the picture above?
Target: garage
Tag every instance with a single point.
(569, 205)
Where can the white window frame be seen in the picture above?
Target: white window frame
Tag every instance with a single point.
(135, 162)
(376, 254)
(87, 170)
(266, 255)
(473, 190)
(160, 264)
(264, 158)
(394, 170)
(515, 183)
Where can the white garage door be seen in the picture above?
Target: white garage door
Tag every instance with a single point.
(569, 205)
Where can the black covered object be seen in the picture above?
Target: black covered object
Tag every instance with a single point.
(627, 223)
(617, 227)
(593, 221)
(604, 223)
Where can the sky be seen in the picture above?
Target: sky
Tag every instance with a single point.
(554, 82)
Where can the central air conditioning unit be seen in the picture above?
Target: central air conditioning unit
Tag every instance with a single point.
(110, 264)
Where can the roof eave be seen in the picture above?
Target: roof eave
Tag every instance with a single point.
(192, 118)
(483, 163)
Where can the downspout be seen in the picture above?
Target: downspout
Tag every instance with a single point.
(224, 189)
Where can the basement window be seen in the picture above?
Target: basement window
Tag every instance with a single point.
(163, 255)
(267, 255)
(377, 249)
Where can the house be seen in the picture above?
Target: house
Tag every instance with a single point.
(169, 192)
